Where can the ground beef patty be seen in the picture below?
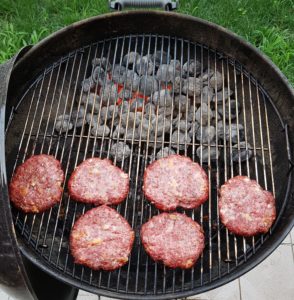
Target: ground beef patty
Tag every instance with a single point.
(175, 181)
(174, 239)
(36, 184)
(101, 239)
(98, 181)
(245, 208)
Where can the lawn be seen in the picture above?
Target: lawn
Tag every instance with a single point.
(267, 24)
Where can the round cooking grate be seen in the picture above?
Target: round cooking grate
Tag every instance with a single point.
(58, 91)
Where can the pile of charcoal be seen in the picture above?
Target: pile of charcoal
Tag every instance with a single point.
(156, 99)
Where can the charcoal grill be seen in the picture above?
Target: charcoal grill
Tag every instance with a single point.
(45, 83)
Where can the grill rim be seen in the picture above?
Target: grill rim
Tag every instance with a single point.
(268, 247)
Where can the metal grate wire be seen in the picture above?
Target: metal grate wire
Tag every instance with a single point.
(57, 92)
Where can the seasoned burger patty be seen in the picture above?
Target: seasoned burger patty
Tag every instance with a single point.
(101, 239)
(36, 184)
(245, 208)
(98, 181)
(175, 181)
(174, 239)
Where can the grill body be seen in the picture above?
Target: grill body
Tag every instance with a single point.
(43, 85)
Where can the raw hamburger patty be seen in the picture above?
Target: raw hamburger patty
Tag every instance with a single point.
(101, 239)
(175, 181)
(98, 181)
(36, 184)
(245, 208)
(174, 239)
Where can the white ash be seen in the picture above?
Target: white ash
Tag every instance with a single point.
(161, 125)
(160, 57)
(230, 132)
(181, 138)
(207, 95)
(164, 152)
(108, 94)
(176, 121)
(184, 126)
(112, 112)
(194, 128)
(63, 117)
(83, 99)
(120, 150)
(139, 117)
(63, 126)
(192, 67)
(231, 109)
(191, 114)
(148, 85)
(167, 73)
(109, 112)
(100, 130)
(179, 115)
(191, 117)
(215, 115)
(119, 74)
(147, 124)
(78, 123)
(104, 114)
(162, 98)
(132, 134)
(244, 153)
(182, 103)
(130, 59)
(89, 118)
(101, 62)
(128, 119)
(166, 111)
(192, 86)
(132, 80)
(99, 75)
(93, 119)
(149, 109)
(222, 95)
(178, 84)
(87, 85)
(119, 131)
(176, 64)
(204, 153)
(144, 65)
(203, 114)
(93, 102)
(78, 113)
(162, 73)
(205, 134)
(207, 75)
(216, 81)
(143, 133)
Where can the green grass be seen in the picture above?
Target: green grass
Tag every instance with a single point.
(267, 24)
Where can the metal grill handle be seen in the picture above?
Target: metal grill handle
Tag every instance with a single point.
(164, 4)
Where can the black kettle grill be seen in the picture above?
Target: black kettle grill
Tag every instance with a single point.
(43, 81)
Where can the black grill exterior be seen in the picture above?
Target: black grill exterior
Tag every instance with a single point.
(54, 89)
